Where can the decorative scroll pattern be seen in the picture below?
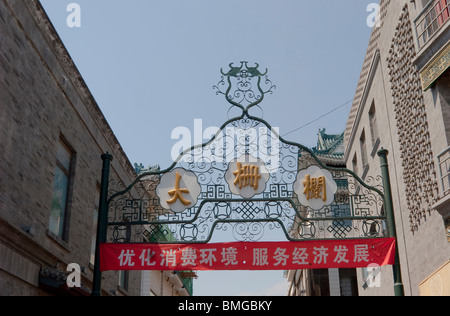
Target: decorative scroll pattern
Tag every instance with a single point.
(242, 85)
(136, 215)
(353, 214)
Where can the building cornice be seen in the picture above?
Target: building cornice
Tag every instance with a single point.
(74, 76)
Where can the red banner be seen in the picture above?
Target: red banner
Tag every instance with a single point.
(352, 253)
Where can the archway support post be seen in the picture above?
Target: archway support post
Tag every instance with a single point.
(390, 220)
(102, 223)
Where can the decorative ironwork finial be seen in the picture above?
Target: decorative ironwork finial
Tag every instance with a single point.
(243, 85)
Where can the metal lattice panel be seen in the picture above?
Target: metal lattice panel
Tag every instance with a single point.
(138, 214)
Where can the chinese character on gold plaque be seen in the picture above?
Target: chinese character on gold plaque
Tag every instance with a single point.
(178, 190)
(247, 175)
(177, 193)
(315, 188)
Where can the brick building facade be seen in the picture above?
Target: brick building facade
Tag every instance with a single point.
(51, 138)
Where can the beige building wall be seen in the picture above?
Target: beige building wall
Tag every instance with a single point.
(392, 111)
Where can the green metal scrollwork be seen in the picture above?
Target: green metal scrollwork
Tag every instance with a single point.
(241, 90)
(351, 214)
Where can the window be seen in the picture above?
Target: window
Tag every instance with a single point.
(373, 124)
(431, 20)
(348, 282)
(447, 228)
(61, 185)
(356, 171)
(364, 161)
(355, 164)
(124, 277)
(320, 283)
(362, 142)
(442, 11)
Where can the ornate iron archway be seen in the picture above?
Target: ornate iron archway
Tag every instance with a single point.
(246, 180)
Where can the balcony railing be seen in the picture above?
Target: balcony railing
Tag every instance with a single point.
(444, 168)
(432, 18)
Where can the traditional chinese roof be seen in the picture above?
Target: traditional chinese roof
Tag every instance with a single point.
(140, 169)
(329, 146)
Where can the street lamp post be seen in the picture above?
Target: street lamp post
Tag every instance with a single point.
(390, 220)
(102, 223)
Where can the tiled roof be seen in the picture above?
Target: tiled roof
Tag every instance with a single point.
(329, 146)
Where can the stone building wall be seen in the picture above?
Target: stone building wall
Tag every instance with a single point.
(392, 110)
(43, 101)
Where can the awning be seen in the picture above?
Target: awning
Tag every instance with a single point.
(435, 68)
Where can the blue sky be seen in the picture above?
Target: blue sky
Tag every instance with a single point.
(151, 66)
